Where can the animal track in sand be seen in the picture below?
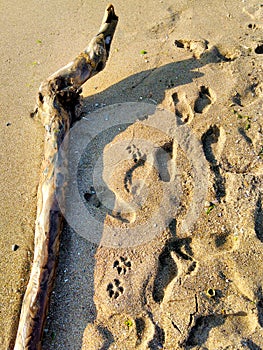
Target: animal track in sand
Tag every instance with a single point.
(122, 265)
(204, 100)
(136, 153)
(199, 333)
(211, 326)
(213, 141)
(197, 47)
(115, 289)
(191, 102)
(182, 107)
(139, 160)
(175, 260)
(145, 171)
(164, 157)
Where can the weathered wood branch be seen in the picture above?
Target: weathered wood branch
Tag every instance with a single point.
(58, 106)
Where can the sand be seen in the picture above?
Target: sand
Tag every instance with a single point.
(196, 288)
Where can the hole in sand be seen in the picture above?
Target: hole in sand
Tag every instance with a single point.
(259, 49)
(179, 43)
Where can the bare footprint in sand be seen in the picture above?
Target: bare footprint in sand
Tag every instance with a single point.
(189, 102)
(181, 291)
(134, 281)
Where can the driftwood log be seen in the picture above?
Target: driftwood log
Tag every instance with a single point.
(58, 107)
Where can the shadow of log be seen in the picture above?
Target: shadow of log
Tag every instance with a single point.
(133, 88)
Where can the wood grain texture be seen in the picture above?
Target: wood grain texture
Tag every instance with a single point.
(58, 107)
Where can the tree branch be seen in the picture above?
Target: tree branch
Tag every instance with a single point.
(58, 106)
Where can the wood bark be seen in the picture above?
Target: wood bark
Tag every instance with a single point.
(58, 107)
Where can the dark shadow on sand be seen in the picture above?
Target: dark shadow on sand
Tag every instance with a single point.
(72, 306)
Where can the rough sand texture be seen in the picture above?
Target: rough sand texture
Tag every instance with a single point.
(201, 289)
(198, 289)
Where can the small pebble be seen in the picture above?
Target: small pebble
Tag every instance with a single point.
(15, 247)
(8, 124)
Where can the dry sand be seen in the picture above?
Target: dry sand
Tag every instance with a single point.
(214, 69)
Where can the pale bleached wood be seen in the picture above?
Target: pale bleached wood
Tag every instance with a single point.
(58, 106)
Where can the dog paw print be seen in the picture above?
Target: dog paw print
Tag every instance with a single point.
(137, 156)
(115, 289)
(139, 160)
(122, 265)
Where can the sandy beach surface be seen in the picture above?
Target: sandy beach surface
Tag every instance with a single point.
(195, 283)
